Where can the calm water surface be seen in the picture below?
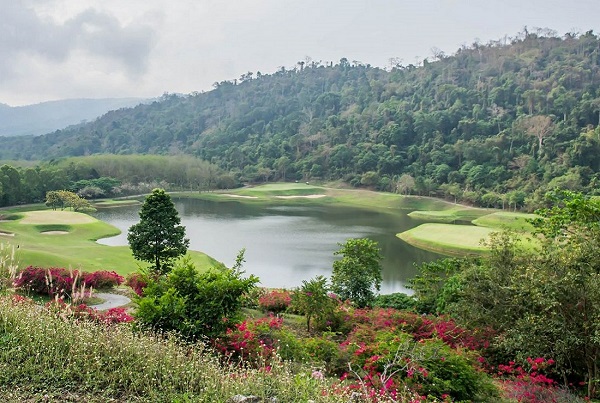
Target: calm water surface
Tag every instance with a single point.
(286, 244)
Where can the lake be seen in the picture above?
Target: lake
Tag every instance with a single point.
(286, 244)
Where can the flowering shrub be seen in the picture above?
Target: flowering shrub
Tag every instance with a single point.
(386, 359)
(57, 281)
(84, 312)
(251, 341)
(137, 282)
(52, 281)
(275, 301)
(527, 383)
(421, 327)
(102, 279)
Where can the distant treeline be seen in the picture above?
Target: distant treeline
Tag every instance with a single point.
(108, 176)
(493, 124)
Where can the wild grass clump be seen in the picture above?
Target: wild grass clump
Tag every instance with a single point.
(42, 353)
(9, 266)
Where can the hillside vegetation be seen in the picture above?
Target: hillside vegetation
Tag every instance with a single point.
(494, 124)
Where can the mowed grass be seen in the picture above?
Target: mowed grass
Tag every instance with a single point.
(280, 189)
(448, 239)
(449, 215)
(506, 220)
(71, 242)
(268, 194)
(115, 203)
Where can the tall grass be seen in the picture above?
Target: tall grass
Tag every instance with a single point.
(8, 266)
(43, 353)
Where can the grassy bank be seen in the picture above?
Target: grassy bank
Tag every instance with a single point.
(50, 238)
(107, 203)
(46, 358)
(448, 239)
(449, 216)
(301, 193)
(504, 219)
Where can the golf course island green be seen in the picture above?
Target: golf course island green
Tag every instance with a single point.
(457, 239)
(49, 238)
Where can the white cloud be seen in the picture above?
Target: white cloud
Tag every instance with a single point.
(53, 49)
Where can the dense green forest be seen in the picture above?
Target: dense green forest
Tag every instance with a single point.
(494, 124)
(108, 176)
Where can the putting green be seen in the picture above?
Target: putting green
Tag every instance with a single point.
(447, 238)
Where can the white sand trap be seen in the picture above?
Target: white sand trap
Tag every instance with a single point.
(240, 196)
(6, 233)
(54, 232)
(301, 197)
(56, 217)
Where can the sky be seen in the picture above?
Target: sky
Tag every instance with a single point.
(61, 49)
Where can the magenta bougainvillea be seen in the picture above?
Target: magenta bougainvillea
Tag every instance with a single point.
(60, 281)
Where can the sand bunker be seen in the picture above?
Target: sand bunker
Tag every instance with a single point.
(54, 232)
(56, 217)
(240, 196)
(2, 233)
(301, 197)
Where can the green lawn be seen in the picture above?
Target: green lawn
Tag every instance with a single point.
(447, 238)
(71, 242)
(508, 220)
(309, 193)
(115, 203)
(450, 215)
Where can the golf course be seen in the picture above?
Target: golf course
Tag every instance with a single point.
(55, 238)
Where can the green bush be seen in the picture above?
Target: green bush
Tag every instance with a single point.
(194, 305)
(397, 300)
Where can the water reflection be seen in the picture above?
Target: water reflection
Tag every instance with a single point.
(286, 244)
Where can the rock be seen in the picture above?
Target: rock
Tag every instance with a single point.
(244, 399)
(251, 399)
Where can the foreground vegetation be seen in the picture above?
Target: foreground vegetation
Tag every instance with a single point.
(514, 326)
(44, 356)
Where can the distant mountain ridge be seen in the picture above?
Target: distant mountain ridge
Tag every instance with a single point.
(49, 116)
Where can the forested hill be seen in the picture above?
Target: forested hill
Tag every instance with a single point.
(493, 123)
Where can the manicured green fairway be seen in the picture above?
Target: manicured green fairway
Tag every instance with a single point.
(505, 219)
(115, 203)
(67, 239)
(447, 238)
(281, 189)
(449, 215)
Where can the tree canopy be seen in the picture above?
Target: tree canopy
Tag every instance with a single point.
(158, 238)
(357, 275)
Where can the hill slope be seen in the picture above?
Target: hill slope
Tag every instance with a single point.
(492, 124)
(46, 117)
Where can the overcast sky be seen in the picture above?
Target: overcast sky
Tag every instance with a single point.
(59, 49)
